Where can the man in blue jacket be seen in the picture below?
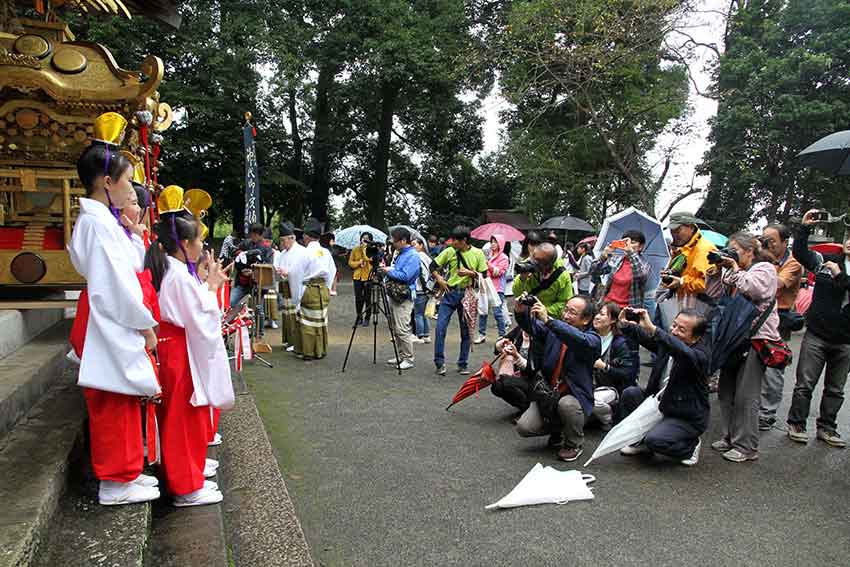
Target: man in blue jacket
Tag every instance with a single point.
(571, 348)
(404, 269)
(684, 401)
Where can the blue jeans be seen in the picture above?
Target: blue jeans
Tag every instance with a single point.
(419, 318)
(500, 319)
(450, 304)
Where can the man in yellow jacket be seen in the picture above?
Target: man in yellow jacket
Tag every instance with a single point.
(695, 248)
(362, 266)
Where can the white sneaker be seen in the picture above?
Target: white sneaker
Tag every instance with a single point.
(290, 348)
(694, 458)
(275, 325)
(200, 497)
(118, 493)
(332, 292)
(210, 468)
(146, 480)
(210, 485)
(417, 341)
(637, 449)
(392, 361)
(406, 364)
(480, 339)
(216, 441)
(427, 340)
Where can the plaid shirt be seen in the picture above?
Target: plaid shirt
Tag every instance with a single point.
(640, 272)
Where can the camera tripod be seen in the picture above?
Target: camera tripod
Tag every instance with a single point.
(377, 303)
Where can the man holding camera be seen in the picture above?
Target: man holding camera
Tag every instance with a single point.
(684, 401)
(693, 249)
(464, 262)
(827, 339)
(789, 272)
(571, 348)
(628, 270)
(405, 270)
(545, 277)
(252, 251)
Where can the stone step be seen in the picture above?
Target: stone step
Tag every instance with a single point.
(34, 460)
(28, 372)
(84, 534)
(18, 327)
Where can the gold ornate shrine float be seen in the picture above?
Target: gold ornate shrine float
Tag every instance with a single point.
(52, 88)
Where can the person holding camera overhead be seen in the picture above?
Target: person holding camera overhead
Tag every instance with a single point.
(747, 270)
(628, 270)
(465, 262)
(544, 276)
(564, 399)
(401, 290)
(359, 261)
(826, 343)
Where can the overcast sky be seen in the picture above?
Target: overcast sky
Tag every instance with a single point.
(706, 26)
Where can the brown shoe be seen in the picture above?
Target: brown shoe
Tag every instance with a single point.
(570, 454)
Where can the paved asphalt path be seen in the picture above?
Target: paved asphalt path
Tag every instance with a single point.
(382, 475)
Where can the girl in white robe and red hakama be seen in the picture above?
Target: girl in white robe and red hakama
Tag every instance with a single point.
(194, 368)
(115, 369)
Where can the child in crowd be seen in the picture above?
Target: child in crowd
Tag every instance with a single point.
(115, 369)
(194, 369)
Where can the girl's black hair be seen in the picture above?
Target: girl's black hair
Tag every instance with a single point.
(142, 196)
(99, 161)
(156, 258)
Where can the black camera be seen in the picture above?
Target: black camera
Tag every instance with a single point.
(717, 256)
(667, 279)
(375, 252)
(527, 300)
(527, 267)
(632, 315)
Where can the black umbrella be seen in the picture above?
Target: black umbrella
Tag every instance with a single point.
(732, 320)
(567, 223)
(830, 153)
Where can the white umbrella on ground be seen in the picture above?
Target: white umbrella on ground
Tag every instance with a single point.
(546, 485)
(632, 429)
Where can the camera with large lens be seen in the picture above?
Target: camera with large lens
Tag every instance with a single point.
(375, 252)
(717, 256)
(632, 315)
(528, 300)
(527, 267)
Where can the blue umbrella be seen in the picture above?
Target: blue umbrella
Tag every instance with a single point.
(655, 251)
(715, 238)
(350, 237)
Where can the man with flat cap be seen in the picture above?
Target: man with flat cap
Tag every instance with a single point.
(689, 265)
(318, 271)
(288, 266)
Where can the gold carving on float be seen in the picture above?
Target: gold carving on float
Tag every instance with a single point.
(33, 45)
(18, 59)
(69, 60)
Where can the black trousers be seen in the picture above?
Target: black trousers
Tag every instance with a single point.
(514, 390)
(361, 290)
(673, 437)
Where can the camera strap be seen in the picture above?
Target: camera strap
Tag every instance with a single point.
(547, 282)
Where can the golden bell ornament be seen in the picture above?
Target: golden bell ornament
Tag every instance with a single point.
(197, 202)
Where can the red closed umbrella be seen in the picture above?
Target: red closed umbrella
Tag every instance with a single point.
(829, 248)
(484, 378)
(485, 231)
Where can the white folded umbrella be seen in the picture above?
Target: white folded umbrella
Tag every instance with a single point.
(632, 429)
(545, 485)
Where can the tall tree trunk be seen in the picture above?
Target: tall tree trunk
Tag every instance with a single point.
(323, 144)
(376, 193)
(296, 165)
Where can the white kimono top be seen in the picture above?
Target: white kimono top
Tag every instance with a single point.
(186, 302)
(319, 264)
(292, 261)
(114, 359)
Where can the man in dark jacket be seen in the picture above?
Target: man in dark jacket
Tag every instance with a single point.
(826, 342)
(684, 401)
(569, 346)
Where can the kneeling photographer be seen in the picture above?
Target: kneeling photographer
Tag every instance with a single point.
(401, 289)
(563, 402)
(544, 276)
